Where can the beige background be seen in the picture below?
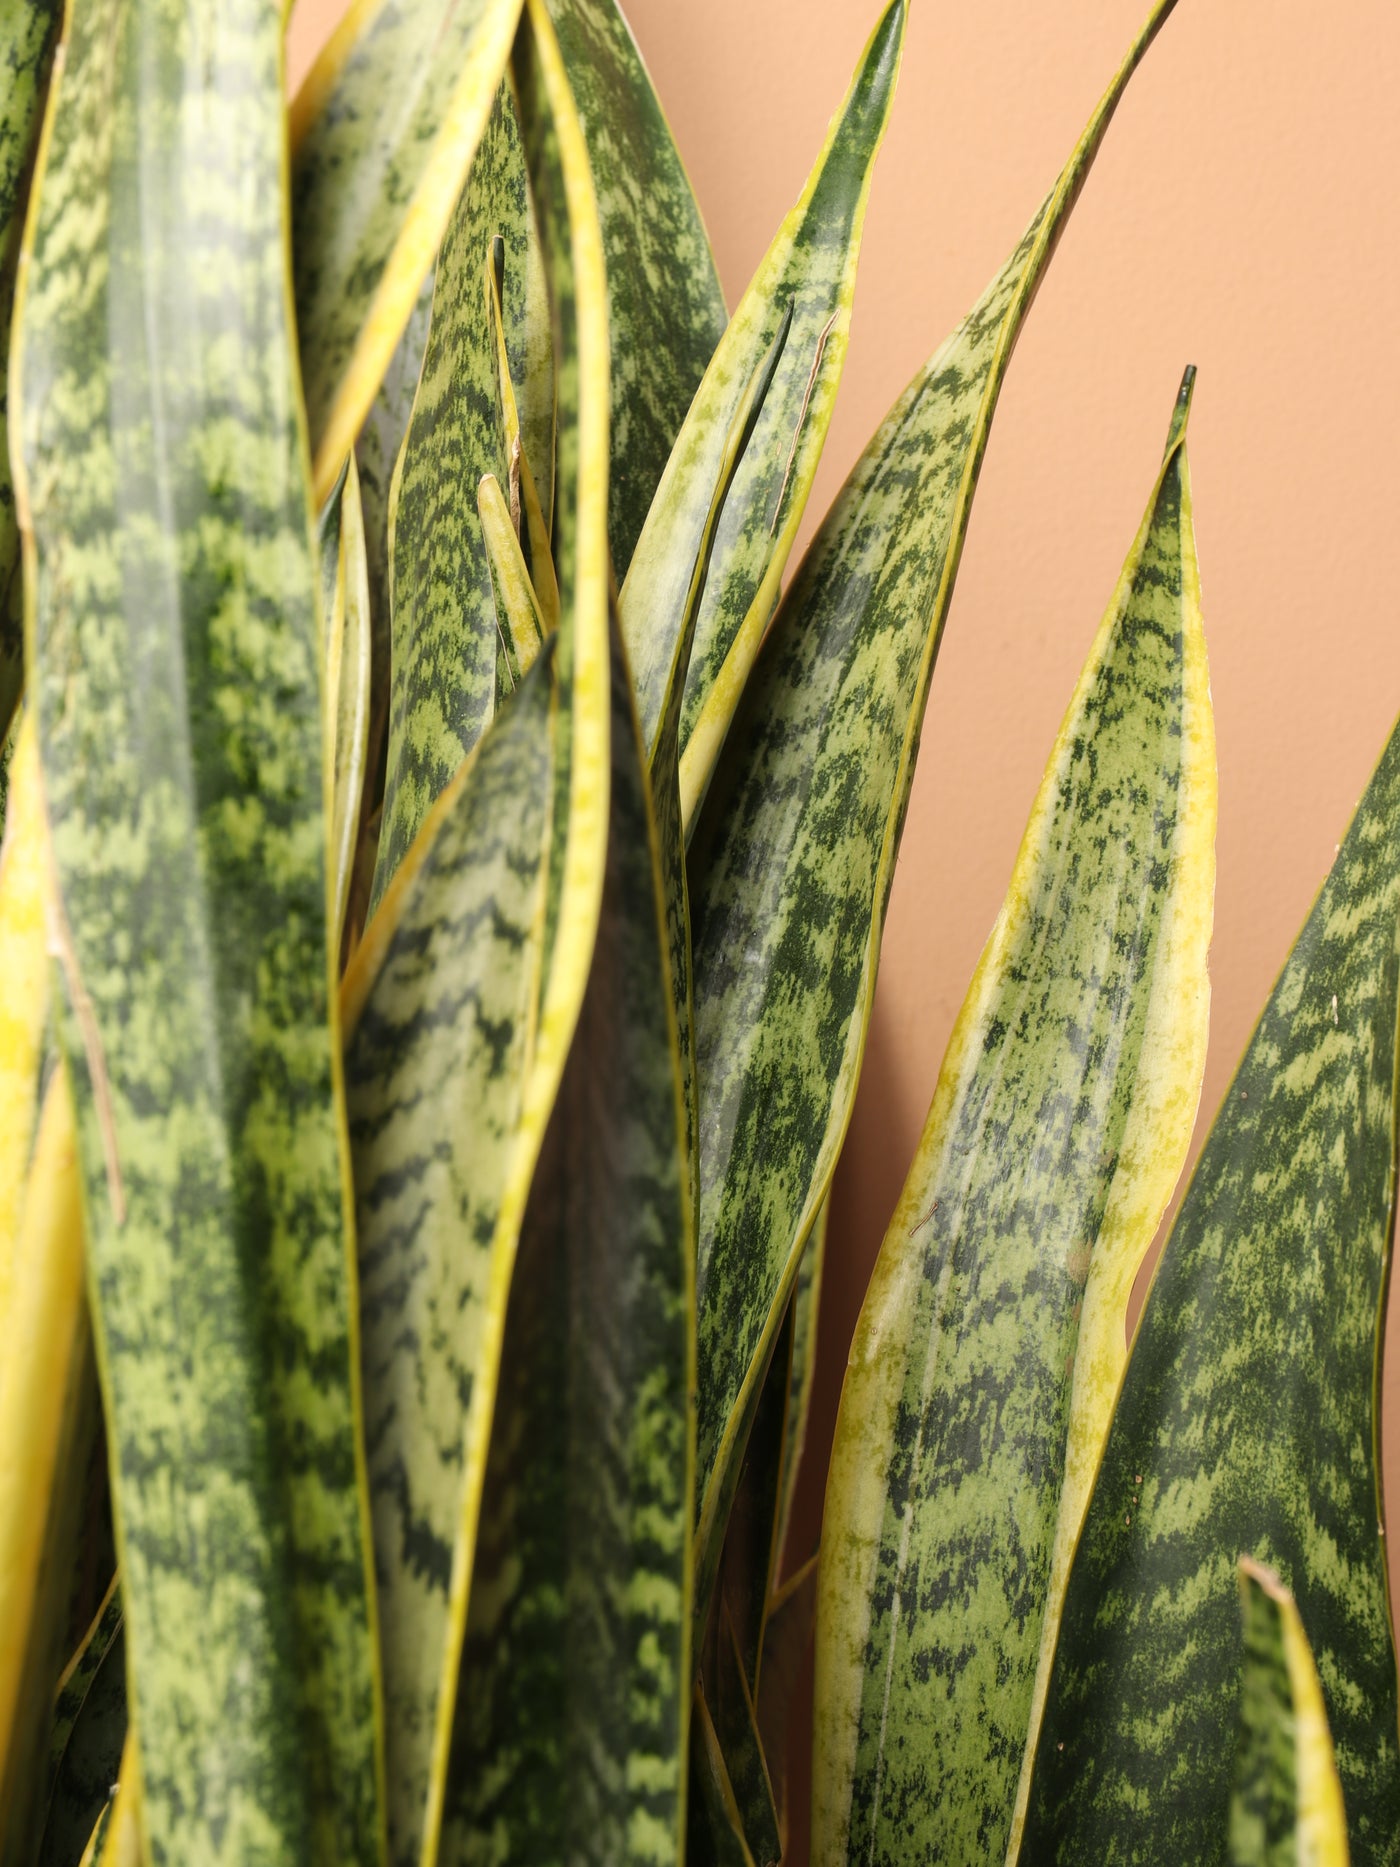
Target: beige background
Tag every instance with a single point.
(1242, 216)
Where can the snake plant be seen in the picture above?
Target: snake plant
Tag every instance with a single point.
(444, 866)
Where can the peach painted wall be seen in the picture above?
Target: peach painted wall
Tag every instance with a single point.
(1243, 216)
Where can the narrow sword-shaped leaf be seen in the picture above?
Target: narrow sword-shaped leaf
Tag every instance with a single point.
(444, 613)
(1248, 1417)
(665, 306)
(116, 1840)
(24, 988)
(787, 1634)
(520, 625)
(174, 655)
(29, 31)
(806, 281)
(791, 870)
(715, 1828)
(45, 1376)
(89, 1733)
(435, 1069)
(1058, 1128)
(572, 1711)
(806, 1307)
(373, 188)
(529, 513)
(1286, 1803)
(345, 615)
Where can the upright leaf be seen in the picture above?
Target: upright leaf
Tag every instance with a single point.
(1286, 1803)
(804, 286)
(89, 1732)
(572, 1714)
(24, 989)
(794, 855)
(347, 648)
(1249, 1416)
(383, 132)
(445, 631)
(436, 1060)
(665, 306)
(174, 650)
(1059, 1125)
(29, 31)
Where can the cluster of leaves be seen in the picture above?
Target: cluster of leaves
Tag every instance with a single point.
(441, 893)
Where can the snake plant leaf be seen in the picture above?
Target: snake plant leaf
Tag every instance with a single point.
(666, 310)
(806, 281)
(715, 1826)
(572, 1712)
(806, 1305)
(29, 31)
(1286, 1804)
(735, 1717)
(383, 133)
(116, 1839)
(793, 858)
(444, 613)
(92, 1853)
(174, 626)
(47, 1403)
(520, 626)
(24, 1001)
(1059, 1126)
(528, 514)
(1248, 1417)
(89, 1733)
(787, 1635)
(347, 648)
(435, 1064)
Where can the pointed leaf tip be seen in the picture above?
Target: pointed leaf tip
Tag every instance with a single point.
(1181, 414)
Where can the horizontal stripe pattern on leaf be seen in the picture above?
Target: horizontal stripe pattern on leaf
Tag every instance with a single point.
(177, 685)
(1064, 1104)
(1248, 1418)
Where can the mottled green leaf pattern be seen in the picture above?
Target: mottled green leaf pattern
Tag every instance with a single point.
(383, 133)
(178, 691)
(1286, 1803)
(804, 286)
(1248, 1419)
(665, 307)
(802, 1368)
(948, 1466)
(444, 614)
(434, 1074)
(571, 1719)
(28, 33)
(794, 854)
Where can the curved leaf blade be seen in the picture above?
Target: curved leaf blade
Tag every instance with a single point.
(24, 1002)
(1059, 1125)
(1286, 1804)
(665, 306)
(794, 855)
(1248, 1416)
(89, 1734)
(805, 283)
(373, 189)
(174, 623)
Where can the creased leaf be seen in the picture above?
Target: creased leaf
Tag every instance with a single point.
(383, 132)
(793, 859)
(174, 651)
(1059, 1125)
(1286, 1803)
(665, 307)
(805, 284)
(1249, 1416)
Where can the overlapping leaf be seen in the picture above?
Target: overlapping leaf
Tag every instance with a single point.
(1058, 1128)
(1248, 1418)
(804, 287)
(794, 855)
(346, 622)
(29, 31)
(86, 1745)
(24, 1003)
(383, 133)
(1286, 1803)
(665, 307)
(174, 655)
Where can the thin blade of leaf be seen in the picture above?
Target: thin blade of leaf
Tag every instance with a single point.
(787, 1634)
(347, 648)
(435, 1065)
(1286, 1803)
(791, 869)
(88, 1737)
(525, 430)
(806, 1307)
(572, 1709)
(444, 612)
(806, 279)
(521, 626)
(24, 1000)
(29, 32)
(1248, 1417)
(373, 189)
(665, 306)
(174, 581)
(715, 1827)
(1059, 1125)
